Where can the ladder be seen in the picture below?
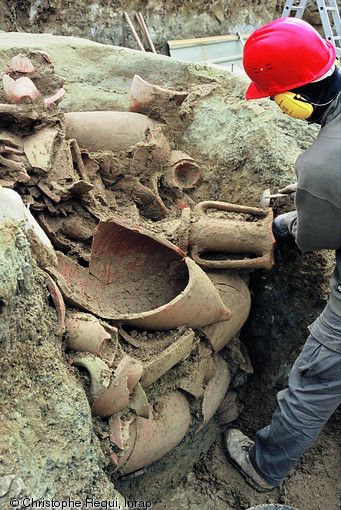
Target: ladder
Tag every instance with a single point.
(329, 14)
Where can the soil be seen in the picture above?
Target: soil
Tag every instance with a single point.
(238, 162)
(215, 484)
(166, 20)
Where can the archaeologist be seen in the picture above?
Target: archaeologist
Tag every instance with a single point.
(288, 61)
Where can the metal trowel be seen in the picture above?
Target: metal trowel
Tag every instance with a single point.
(266, 197)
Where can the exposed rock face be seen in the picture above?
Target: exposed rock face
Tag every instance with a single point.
(103, 21)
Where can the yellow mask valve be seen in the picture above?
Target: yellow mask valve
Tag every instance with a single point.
(294, 105)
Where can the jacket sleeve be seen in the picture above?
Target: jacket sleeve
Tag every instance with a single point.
(318, 196)
(315, 224)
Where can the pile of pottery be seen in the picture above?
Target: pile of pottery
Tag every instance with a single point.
(144, 319)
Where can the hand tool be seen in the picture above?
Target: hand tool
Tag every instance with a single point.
(266, 197)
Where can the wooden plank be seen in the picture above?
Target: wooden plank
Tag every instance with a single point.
(145, 30)
(138, 40)
(204, 40)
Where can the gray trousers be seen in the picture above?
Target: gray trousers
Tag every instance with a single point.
(313, 394)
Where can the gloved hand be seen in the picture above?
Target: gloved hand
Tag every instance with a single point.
(279, 227)
(289, 190)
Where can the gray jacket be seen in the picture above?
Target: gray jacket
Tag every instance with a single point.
(316, 223)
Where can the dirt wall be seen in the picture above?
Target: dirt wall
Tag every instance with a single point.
(48, 447)
(104, 22)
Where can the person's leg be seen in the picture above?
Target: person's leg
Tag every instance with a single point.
(313, 394)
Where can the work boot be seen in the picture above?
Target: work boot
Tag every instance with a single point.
(238, 446)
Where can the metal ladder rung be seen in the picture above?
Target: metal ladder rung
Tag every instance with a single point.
(295, 8)
(330, 26)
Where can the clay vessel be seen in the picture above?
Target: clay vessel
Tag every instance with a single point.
(85, 333)
(112, 131)
(244, 244)
(142, 94)
(236, 296)
(138, 278)
(216, 389)
(126, 376)
(114, 399)
(99, 373)
(167, 358)
(228, 409)
(182, 171)
(157, 435)
(58, 303)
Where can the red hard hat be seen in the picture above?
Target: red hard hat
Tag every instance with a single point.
(283, 55)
